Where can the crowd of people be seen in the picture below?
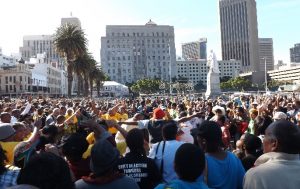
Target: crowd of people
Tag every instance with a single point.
(150, 143)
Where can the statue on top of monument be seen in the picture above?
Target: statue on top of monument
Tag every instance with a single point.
(212, 63)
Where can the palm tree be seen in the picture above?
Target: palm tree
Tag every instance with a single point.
(82, 66)
(96, 76)
(71, 43)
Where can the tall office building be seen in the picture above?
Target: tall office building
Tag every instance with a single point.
(39, 44)
(295, 53)
(239, 35)
(71, 20)
(266, 53)
(195, 50)
(133, 52)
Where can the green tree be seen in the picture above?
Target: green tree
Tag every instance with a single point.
(70, 42)
(83, 66)
(146, 86)
(237, 83)
(225, 78)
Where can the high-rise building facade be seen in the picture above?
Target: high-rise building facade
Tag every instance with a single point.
(239, 34)
(71, 20)
(195, 50)
(39, 44)
(295, 53)
(266, 53)
(133, 52)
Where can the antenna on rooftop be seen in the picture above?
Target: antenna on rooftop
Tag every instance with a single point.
(71, 14)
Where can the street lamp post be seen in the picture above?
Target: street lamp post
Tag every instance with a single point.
(266, 79)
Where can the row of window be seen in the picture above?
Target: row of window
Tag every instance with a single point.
(13, 88)
(163, 40)
(135, 58)
(134, 46)
(137, 34)
(138, 50)
(14, 79)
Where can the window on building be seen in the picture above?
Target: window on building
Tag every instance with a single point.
(6, 88)
(20, 78)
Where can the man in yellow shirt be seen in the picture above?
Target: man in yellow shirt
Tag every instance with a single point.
(123, 114)
(112, 114)
(71, 121)
(7, 139)
(7, 142)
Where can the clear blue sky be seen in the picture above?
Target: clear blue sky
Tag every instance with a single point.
(192, 19)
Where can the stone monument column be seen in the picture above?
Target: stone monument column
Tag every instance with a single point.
(213, 79)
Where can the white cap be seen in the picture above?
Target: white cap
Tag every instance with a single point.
(279, 116)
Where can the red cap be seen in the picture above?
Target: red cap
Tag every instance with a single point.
(158, 113)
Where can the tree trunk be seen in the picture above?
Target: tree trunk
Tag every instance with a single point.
(86, 85)
(98, 88)
(70, 78)
(91, 88)
(79, 84)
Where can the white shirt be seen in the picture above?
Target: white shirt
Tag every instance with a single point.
(277, 171)
(168, 157)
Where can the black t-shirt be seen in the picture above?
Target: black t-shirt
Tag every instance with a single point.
(142, 169)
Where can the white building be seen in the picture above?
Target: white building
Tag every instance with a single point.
(6, 60)
(196, 70)
(39, 44)
(114, 89)
(133, 52)
(47, 78)
(289, 73)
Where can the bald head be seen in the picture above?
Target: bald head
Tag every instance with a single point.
(285, 135)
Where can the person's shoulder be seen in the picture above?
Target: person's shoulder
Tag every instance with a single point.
(128, 182)
(81, 184)
(255, 172)
(178, 184)
(167, 186)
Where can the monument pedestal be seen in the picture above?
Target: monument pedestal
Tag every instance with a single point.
(213, 85)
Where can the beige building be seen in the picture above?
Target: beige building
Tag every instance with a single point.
(15, 80)
(195, 50)
(34, 77)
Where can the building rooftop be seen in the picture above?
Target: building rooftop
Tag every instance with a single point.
(151, 23)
